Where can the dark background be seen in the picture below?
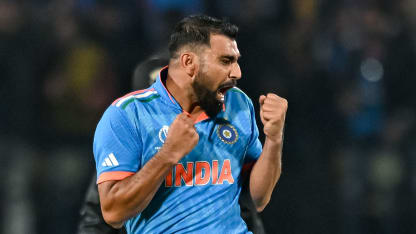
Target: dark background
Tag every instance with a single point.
(346, 67)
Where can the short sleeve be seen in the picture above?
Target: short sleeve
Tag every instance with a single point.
(117, 146)
(254, 148)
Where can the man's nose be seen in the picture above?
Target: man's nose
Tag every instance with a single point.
(235, 71)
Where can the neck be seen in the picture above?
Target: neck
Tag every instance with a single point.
(180, 87)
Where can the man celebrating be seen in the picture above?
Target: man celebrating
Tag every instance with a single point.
(171, 158)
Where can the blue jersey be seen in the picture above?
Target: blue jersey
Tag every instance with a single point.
(201, 192)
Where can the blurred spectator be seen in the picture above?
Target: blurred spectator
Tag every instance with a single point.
(81, 83)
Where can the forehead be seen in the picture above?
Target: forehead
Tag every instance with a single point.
(222, 45)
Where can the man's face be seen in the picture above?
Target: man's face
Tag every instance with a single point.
(218, 72)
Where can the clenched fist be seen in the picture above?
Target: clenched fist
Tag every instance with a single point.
(272, 113)
(182, 137)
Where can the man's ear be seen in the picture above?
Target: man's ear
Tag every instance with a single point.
(190, 62)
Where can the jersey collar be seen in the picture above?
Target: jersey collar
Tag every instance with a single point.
(169, 99)
(163, 91)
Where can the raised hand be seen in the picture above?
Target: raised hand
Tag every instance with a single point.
(182, 137)
(272, 114)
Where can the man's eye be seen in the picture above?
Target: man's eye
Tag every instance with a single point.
(226, 61)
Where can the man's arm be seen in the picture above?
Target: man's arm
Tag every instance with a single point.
(266, 171)
(123, 199)
(92, 221)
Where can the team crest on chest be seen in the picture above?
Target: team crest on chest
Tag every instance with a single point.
(227, 133)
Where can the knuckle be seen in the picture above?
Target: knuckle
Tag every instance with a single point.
(272, 95)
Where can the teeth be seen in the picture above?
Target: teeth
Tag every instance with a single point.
(221, 96)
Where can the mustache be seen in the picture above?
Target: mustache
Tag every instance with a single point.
(228, 84)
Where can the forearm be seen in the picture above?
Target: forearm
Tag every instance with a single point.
(124, 199)
(265, 173)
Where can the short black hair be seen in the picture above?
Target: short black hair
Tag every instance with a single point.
(196, 30)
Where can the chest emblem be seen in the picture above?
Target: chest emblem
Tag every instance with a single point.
(163, 133)
(227, 133)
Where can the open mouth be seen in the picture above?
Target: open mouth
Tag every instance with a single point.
(221, 92)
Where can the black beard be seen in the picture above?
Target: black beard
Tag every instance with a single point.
(206, 99)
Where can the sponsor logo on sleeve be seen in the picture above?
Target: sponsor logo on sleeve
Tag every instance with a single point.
(110, 161)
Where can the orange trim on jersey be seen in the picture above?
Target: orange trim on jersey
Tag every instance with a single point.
(113, 175)
(132, 93)
(203, 116)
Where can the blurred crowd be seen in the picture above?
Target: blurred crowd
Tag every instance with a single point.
(347, 68)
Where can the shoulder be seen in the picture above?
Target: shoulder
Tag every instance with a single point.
(126, 109)
(237, 96)
(139, 96)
